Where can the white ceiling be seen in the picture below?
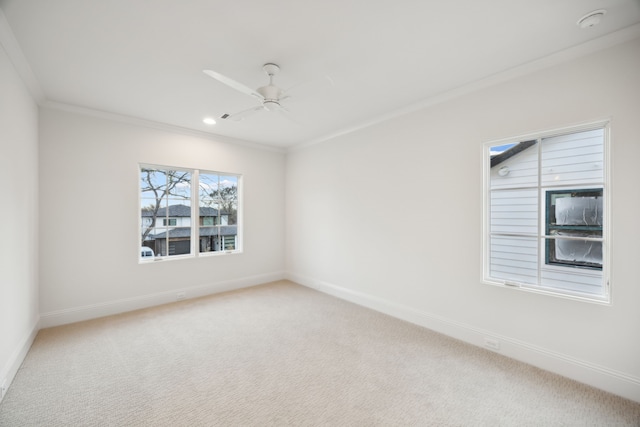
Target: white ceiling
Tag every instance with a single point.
(144, 58)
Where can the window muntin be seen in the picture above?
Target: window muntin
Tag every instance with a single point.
(545, 216)
(169, 200)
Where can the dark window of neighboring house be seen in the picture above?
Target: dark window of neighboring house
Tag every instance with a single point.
(574, 218)
(207, 220)
(169, 221)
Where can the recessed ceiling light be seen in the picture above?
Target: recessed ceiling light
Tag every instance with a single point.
(209, 121)
(591, 19)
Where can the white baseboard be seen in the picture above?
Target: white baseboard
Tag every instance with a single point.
(77, 314)
(594, 375)
(10, 369)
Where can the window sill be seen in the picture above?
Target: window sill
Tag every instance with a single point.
(183, 257)
(594, 299)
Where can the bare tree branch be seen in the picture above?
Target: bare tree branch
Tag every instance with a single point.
(160, 190)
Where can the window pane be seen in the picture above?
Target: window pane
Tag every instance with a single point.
(229, 243)
(575, 252)
(177, 215)
(575, 158)
(572, 281)
(207, 239)
(208, 200)
(178, 185)
(153, 183)
(514, 165)
(228, 199)
(207, 187)
(574, 209)
(160, 241)
(514, 259)
(208, 232)
(578, 252)
(179, 241)
(514, 211)
(209, 212)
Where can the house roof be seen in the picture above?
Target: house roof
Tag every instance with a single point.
(181, 211)
(184, 232)
(507, 154)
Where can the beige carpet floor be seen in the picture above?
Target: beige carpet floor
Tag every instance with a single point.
(284, 355)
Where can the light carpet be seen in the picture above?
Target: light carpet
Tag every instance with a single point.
(284, 355)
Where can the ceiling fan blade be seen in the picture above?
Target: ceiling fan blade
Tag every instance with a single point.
(236, 117)
(232, 83)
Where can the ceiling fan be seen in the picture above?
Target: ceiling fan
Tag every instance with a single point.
(269, 96)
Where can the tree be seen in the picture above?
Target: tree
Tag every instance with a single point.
(157, 185)
(221, 193)
(227, 198)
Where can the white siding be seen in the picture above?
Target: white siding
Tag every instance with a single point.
(573, 279)
(514, 259)
(514, 211)
(523, 171)
(573, 159)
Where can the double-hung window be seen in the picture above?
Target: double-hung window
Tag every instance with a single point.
(189, 212)
(546, 222)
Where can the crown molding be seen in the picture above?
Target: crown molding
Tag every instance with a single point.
(10, 44)
(621, 36)
(154, 125)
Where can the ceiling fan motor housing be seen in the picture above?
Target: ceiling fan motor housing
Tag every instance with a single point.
(271, 94)
(271, 104)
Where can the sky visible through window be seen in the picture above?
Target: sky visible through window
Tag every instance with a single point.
(498, 149)
(156, 182)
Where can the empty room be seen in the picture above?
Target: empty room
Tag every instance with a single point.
(315, 213)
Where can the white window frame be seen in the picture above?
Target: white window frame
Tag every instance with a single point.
(195, 215)
(542, 288)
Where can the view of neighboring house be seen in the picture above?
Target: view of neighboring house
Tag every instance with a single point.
(171, 234)
(546, 212)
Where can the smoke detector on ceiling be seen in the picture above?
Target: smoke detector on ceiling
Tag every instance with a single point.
(591, 19)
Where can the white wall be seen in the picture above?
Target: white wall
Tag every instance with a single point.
(391, 217)
(18, 219)
(89, 240)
